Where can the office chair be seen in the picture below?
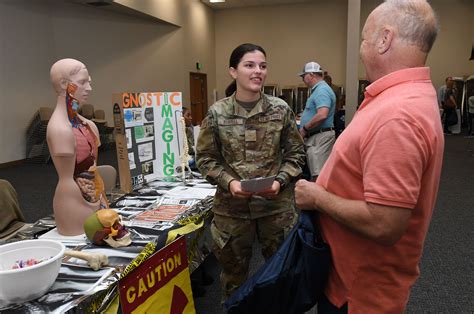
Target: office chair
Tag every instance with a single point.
(109, 176)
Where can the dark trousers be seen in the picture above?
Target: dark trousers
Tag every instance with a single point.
(447, 113)
(471, 116)
(326, 307)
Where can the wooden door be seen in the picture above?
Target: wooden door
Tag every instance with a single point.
(198, 85)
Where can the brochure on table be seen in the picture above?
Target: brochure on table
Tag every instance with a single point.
(149, 136)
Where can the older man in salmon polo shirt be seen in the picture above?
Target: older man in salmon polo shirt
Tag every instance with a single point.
(377, 190)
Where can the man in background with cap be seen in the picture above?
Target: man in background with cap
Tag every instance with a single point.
(317, 120)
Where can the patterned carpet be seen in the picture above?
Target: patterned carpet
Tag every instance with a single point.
(447, 268)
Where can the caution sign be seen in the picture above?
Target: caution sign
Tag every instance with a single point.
(161, 284)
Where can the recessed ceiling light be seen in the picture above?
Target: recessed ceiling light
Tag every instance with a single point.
(216, 1)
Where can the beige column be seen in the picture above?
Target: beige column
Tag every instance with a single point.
(352, 57)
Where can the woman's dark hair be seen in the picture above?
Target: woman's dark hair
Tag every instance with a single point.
(234, 60)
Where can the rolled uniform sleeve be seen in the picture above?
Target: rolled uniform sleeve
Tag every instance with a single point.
(293, 152)
(208, 156)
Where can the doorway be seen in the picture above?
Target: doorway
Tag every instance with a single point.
(198, 85)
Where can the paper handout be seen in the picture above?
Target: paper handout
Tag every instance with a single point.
(257, 184)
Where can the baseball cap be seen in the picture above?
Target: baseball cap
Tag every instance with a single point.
(311, 67)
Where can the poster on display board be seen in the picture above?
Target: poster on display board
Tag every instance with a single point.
(149, 136)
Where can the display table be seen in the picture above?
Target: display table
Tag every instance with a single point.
(155, 215)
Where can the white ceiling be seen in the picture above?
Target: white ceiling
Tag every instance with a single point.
(230, 4)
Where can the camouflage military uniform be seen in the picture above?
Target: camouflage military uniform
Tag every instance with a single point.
(236, 144)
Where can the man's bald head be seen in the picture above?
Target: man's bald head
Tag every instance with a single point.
(397, 35)
(414, 21)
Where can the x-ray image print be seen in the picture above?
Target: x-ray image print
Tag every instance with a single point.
(144, 133)
(149, 114)
(145, 152)
(128, 135)
(147, 168)
(131, 161)
(133, 117)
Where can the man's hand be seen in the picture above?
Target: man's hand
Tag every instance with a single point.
(380, 223)
(235, 189)
(306, 194)
(271, 192)
(302, 132)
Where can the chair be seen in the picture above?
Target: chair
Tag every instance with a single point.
(106, 132)
(271, 89)
(45, 113)
(11, 217)
(289, 95)
(36, 146)
(109, 176)
(87, 111)
(99, 116)
(302, 94)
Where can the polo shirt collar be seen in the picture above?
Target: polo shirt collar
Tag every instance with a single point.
(316, 85)
(398, 77)
(392, 79)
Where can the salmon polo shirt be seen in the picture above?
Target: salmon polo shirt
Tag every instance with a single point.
(390, 154)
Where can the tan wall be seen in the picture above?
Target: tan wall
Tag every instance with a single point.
(121, 52)
(166, 10)
(451, 51)
(127, 53)
(199, 45)
(293, 34)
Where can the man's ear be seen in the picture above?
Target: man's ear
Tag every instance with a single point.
(385, 40)
(233, 73)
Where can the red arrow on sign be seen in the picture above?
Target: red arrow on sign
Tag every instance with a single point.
(179, 301)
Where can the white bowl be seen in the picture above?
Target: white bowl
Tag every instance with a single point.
(31, 282)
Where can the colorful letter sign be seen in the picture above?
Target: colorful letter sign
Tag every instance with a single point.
(161, 284)
(151, 134)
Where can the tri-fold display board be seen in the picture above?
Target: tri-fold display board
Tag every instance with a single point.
(149, 136)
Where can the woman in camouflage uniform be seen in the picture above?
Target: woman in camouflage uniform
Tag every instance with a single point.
(244, 136)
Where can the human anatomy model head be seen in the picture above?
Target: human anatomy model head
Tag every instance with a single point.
(71, 80)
